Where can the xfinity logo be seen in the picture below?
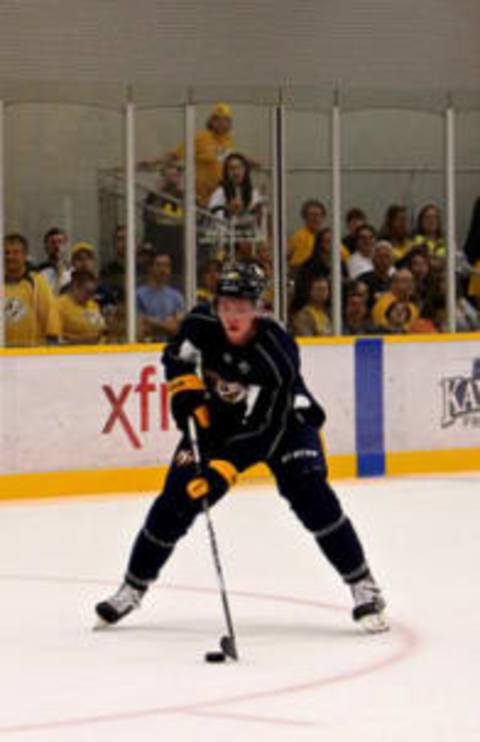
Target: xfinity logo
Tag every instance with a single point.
(149, 398)
(461, 397)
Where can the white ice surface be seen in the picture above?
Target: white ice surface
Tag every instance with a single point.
(306, 672)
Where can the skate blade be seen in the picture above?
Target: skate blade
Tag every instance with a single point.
(100, 624)
(375, 623)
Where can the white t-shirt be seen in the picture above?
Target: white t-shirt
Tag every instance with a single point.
(217, 201)
(358, 264)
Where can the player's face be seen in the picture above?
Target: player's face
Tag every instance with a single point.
(238, 319)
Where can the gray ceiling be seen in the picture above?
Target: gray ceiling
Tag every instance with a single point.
(406, 43)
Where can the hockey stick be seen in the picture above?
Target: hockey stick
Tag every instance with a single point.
(228, 642)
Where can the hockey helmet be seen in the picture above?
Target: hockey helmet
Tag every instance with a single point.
(241, 280)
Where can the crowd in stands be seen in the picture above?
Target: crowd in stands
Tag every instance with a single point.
(393, 278)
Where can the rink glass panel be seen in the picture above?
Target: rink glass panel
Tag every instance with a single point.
(392, 156)
(64, 168)
(308, 167)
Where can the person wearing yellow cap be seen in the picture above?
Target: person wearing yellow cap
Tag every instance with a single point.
(83, 257)
(212, 145)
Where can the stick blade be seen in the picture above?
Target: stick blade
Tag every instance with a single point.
(229, 647)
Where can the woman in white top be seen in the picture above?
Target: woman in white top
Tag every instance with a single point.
(235, 196)
(237, 206)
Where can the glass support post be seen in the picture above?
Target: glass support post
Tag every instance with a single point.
(190, 232)
(279, 213)
(130, 277)
(450, 202)
(336, 284)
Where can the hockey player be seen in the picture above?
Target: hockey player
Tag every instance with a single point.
(237, 374)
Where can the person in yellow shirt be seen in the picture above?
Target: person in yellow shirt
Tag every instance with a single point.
(395, 229)
(429, 231)
(80, 316)
(313, 319)
(31, 316)
(212, 145)
(302, 242)
(401, 291)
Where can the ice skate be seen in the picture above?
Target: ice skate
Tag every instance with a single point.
(369, 606)
(119, 605)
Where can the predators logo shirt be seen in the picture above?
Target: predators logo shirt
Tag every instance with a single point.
(31, 314)
(81, 323)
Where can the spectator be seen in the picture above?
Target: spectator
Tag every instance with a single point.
(209, 276)
(429, 231)
(112, 276)
(56, 269)
(354, 219)
(398, 318)
(212, 145)
(313, 319)
(80, 316)
(163, 218)
(83, 257)
(301, 243)
(143, 260)
(235, 196)
(356, 288)
(401, 290)
(395, 230)
(432, 318)
(320, 261)
(418, 263)
(378, 279)
(356, 319)
(160, 306)
(31, 316)
(239, 205)
(361, 259)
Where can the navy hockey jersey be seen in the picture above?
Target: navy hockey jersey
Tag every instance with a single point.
(254, 392)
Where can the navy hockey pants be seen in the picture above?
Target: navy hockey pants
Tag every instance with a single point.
(300, 470)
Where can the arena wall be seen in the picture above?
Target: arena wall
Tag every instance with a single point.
(96, 419)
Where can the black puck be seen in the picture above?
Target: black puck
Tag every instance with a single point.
(215, 657)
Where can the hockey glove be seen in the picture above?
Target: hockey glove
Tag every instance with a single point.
(187, 399)
(215, 480)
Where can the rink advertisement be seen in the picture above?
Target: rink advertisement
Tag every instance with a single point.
(392, 405)
(98, 410)
(432, 396)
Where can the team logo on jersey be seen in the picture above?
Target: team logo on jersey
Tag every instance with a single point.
(229, 391)
(15, 309)
(461, 398)
(94, 319)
